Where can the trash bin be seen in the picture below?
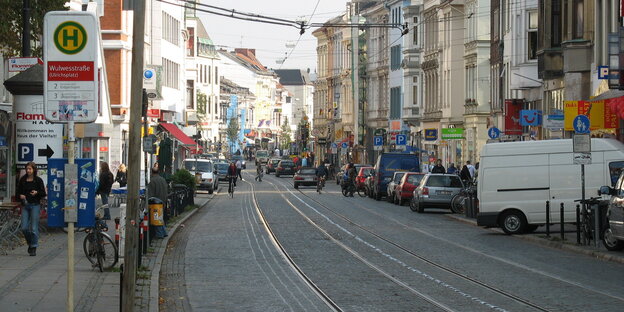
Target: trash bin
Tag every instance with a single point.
(156, 217)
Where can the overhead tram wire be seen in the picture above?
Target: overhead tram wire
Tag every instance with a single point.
(300, 34)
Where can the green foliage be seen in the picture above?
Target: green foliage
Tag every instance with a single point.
(11, 25)
(233, 129)
(285, 138)
(183, 176)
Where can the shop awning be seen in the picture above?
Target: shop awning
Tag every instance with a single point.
(186, 141)
(610, 94)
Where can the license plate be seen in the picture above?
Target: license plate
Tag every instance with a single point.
(307, 179)
(443, 192)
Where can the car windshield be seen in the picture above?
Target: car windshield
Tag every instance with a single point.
(444, 181)
(287, 163)
(262, 154)
(198, 166)
(222, 166)
(307, 171)
(275, 161)
(414, 179)
(237, 157)
(398, 176)
(366, 171)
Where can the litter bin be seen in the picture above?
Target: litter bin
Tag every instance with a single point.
(156, 211)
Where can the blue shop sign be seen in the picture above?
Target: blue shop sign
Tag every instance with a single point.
(431, 134)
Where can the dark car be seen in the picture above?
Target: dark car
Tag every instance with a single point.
(236, 158)
(396, 179)
(222, 169)
(272, 165)
(285, 167)
(405, 189)
(436, 190)
(305, 176)
(385, 167)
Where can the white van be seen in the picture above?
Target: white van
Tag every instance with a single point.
(516, 179)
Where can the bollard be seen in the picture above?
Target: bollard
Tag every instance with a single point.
(597, 224)
(578, 224)
(146, 235)
(140, 246)
(561, 222)
(121, 273)
(117, 232)
(548, 218)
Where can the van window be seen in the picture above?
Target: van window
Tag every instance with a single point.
(444, 181)
(615, 168)
(400, 163)
(199, 166)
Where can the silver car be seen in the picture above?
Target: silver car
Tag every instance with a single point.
(436, 190)
(396, 179)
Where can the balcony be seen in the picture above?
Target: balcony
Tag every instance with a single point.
(550, 63)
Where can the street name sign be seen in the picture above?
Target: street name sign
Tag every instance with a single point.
(70, 55)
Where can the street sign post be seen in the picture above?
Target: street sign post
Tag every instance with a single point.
(581, 147)
(401, 141)
(378, 143)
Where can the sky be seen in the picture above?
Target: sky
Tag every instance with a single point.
(270, 40)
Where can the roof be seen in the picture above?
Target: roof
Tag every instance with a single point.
(293, 77)
(545, 147)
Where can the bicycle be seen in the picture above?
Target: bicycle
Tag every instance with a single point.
(348, 189)
(320, 183)
(231, 186)
(586, 227)
(458, 202)
(98, 246)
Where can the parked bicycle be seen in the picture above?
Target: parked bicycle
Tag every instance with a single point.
(586, 227)
(460, 200)
(98, 246)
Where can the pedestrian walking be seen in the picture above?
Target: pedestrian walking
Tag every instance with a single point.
(438, 168)
(451, 169)
(259, 173)
(31, 190)
(105, 184)
(122, 176)
(239, 168)
(464, 174)
(158, 188)
(471, 169)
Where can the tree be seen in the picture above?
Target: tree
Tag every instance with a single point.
(232, 131)
(11, 26)
(285, 137)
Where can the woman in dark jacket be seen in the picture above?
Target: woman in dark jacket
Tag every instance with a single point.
(121, 176)
(31, 190)
(106, 183)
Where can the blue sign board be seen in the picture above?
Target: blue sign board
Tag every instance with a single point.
(431, 134)
(530, 117)
(344, 145)
(25, 152)
(378, 140)
(581, 124)
(3, 141)
(603, 72)
(334, 145)
(85, 192)
(401, 139)
(493, 133)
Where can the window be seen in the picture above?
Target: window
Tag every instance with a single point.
(415, 91)
(395, 103)
(577, 21)
(209, 103)
(171, 72)
(615, 168)
(190, 100)
(208, 73)
(415, 31)
(395, 57)
(532, 35)
(170, 29)
(555, 24)
(216, 75)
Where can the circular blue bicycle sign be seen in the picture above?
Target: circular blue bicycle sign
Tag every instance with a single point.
(581, 124)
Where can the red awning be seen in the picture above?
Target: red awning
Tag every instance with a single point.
(182, 137)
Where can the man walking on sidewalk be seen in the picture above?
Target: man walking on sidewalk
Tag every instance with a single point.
(158, 188)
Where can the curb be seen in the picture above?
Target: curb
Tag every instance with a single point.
(155, 273)
(598, 254)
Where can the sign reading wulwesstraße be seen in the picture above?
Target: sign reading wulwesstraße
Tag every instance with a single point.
(70, 86)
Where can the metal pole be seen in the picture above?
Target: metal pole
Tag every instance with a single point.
(547, 218)
(578, 224)
(26, 52)
(561, 222)
(71, 155)
(597, 224)
(134, 156)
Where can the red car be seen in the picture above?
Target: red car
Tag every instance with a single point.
(361, 177)
(404, 191)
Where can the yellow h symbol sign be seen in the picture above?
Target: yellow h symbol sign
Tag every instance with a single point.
(67, 37)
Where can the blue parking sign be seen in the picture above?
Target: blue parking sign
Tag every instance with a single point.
(378, 140)
(401, 139)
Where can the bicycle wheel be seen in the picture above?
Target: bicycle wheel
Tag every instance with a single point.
(345, 192)
(100, 257)
(89, 247)
(108, 255)
(361, 192)
(458, 203)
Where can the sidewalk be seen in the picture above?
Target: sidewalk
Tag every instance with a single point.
(40, 283)
(554, 241)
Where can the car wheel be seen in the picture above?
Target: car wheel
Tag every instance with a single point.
(412, 205)
(377, 196)
(610, 241)
(296, 185)
(513, 222)
(394, 199)
(388, 198)
(277, 175)
(210, 191)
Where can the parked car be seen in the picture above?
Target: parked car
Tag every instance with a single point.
(360, 179)
(271, 165)
(236, 158)
(285, 167)
(340, 173)
(385, 167)
(396, 179)
(404, 190)
(305, 176)
(222, 168)
(206, 177)
(435, 190)
(517, 178)
(613, 220)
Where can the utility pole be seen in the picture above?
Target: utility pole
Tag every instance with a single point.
(134, 158)
(26, 28)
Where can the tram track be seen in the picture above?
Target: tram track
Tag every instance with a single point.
(409, 252)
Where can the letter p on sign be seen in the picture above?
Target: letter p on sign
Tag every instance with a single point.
(26, 152)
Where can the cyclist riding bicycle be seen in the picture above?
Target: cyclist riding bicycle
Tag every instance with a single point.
(350, 182)
(231, 174)
(321, 174)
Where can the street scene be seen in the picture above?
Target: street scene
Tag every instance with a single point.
(351, 155)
